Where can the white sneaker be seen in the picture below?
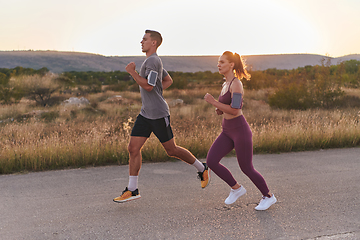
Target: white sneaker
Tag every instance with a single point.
(266, 202)
(234, 195)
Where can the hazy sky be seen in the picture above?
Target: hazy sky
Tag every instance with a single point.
(189, 27)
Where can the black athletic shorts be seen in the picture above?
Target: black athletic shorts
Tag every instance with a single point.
(143, 127)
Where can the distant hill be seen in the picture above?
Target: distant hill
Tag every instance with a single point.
(58, 62)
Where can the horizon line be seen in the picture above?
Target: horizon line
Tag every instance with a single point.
(167, 55)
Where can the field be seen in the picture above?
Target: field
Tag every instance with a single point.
(58, 137)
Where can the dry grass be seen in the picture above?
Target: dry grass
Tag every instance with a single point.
(284, 131)
(352, 92)
(98, 135)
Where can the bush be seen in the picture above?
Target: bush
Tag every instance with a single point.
(292, 96)
(301, 97)
(49, 116)
(179, 84)
(36, 87)
(120, 87)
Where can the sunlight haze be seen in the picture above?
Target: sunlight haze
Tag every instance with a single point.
(204, 27)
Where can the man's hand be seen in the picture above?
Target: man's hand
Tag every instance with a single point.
(130, 68)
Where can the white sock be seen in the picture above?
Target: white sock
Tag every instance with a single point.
(199, 166)
(133, 183)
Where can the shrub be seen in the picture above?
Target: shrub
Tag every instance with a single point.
(49, 116)
(36, 87)
(292, 96)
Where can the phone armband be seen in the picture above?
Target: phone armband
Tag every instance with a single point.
(152, 78)
(236, 100)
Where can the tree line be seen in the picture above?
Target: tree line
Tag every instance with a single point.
(301, 88)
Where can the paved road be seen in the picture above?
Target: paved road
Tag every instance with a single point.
(317, 191)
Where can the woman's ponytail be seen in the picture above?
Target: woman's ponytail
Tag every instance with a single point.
(239, 65)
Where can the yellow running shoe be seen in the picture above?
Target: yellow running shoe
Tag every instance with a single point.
(204, 176)
(127, 195)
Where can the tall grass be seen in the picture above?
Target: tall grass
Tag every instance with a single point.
(307, 130)
(99, 134)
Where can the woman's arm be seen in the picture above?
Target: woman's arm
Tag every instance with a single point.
(222, 107)
(235, 87)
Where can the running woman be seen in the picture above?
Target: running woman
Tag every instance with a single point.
(236, 132)
(154, 117)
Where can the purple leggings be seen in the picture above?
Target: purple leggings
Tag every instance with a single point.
(236, 133)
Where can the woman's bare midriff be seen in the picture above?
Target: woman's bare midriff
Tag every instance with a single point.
(229, 116)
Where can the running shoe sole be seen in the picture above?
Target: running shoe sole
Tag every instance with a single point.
(128, 199)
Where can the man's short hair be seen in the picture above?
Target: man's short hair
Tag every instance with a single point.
(155, 36)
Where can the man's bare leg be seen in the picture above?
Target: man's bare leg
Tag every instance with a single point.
(131, 192)
(179, 152)
(134, 149)
(185, 155)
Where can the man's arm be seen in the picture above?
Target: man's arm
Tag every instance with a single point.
(130, 68)
(166, 82)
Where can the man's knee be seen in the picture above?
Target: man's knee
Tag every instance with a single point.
(171, 151)
(132, 149)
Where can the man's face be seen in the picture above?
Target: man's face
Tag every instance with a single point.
(147, 43)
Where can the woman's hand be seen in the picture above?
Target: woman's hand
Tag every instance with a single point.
(209, 98)
(218, 111)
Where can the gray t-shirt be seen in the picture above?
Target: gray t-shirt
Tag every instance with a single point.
(154, 105)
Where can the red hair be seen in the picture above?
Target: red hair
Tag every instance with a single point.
(239, 65)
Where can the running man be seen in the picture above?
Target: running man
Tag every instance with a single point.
(154, 117)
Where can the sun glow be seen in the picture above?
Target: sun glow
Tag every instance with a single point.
(188, 27)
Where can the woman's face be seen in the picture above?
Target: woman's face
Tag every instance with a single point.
(224, 65)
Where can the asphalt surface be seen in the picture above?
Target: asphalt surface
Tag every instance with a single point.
(318, 196)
